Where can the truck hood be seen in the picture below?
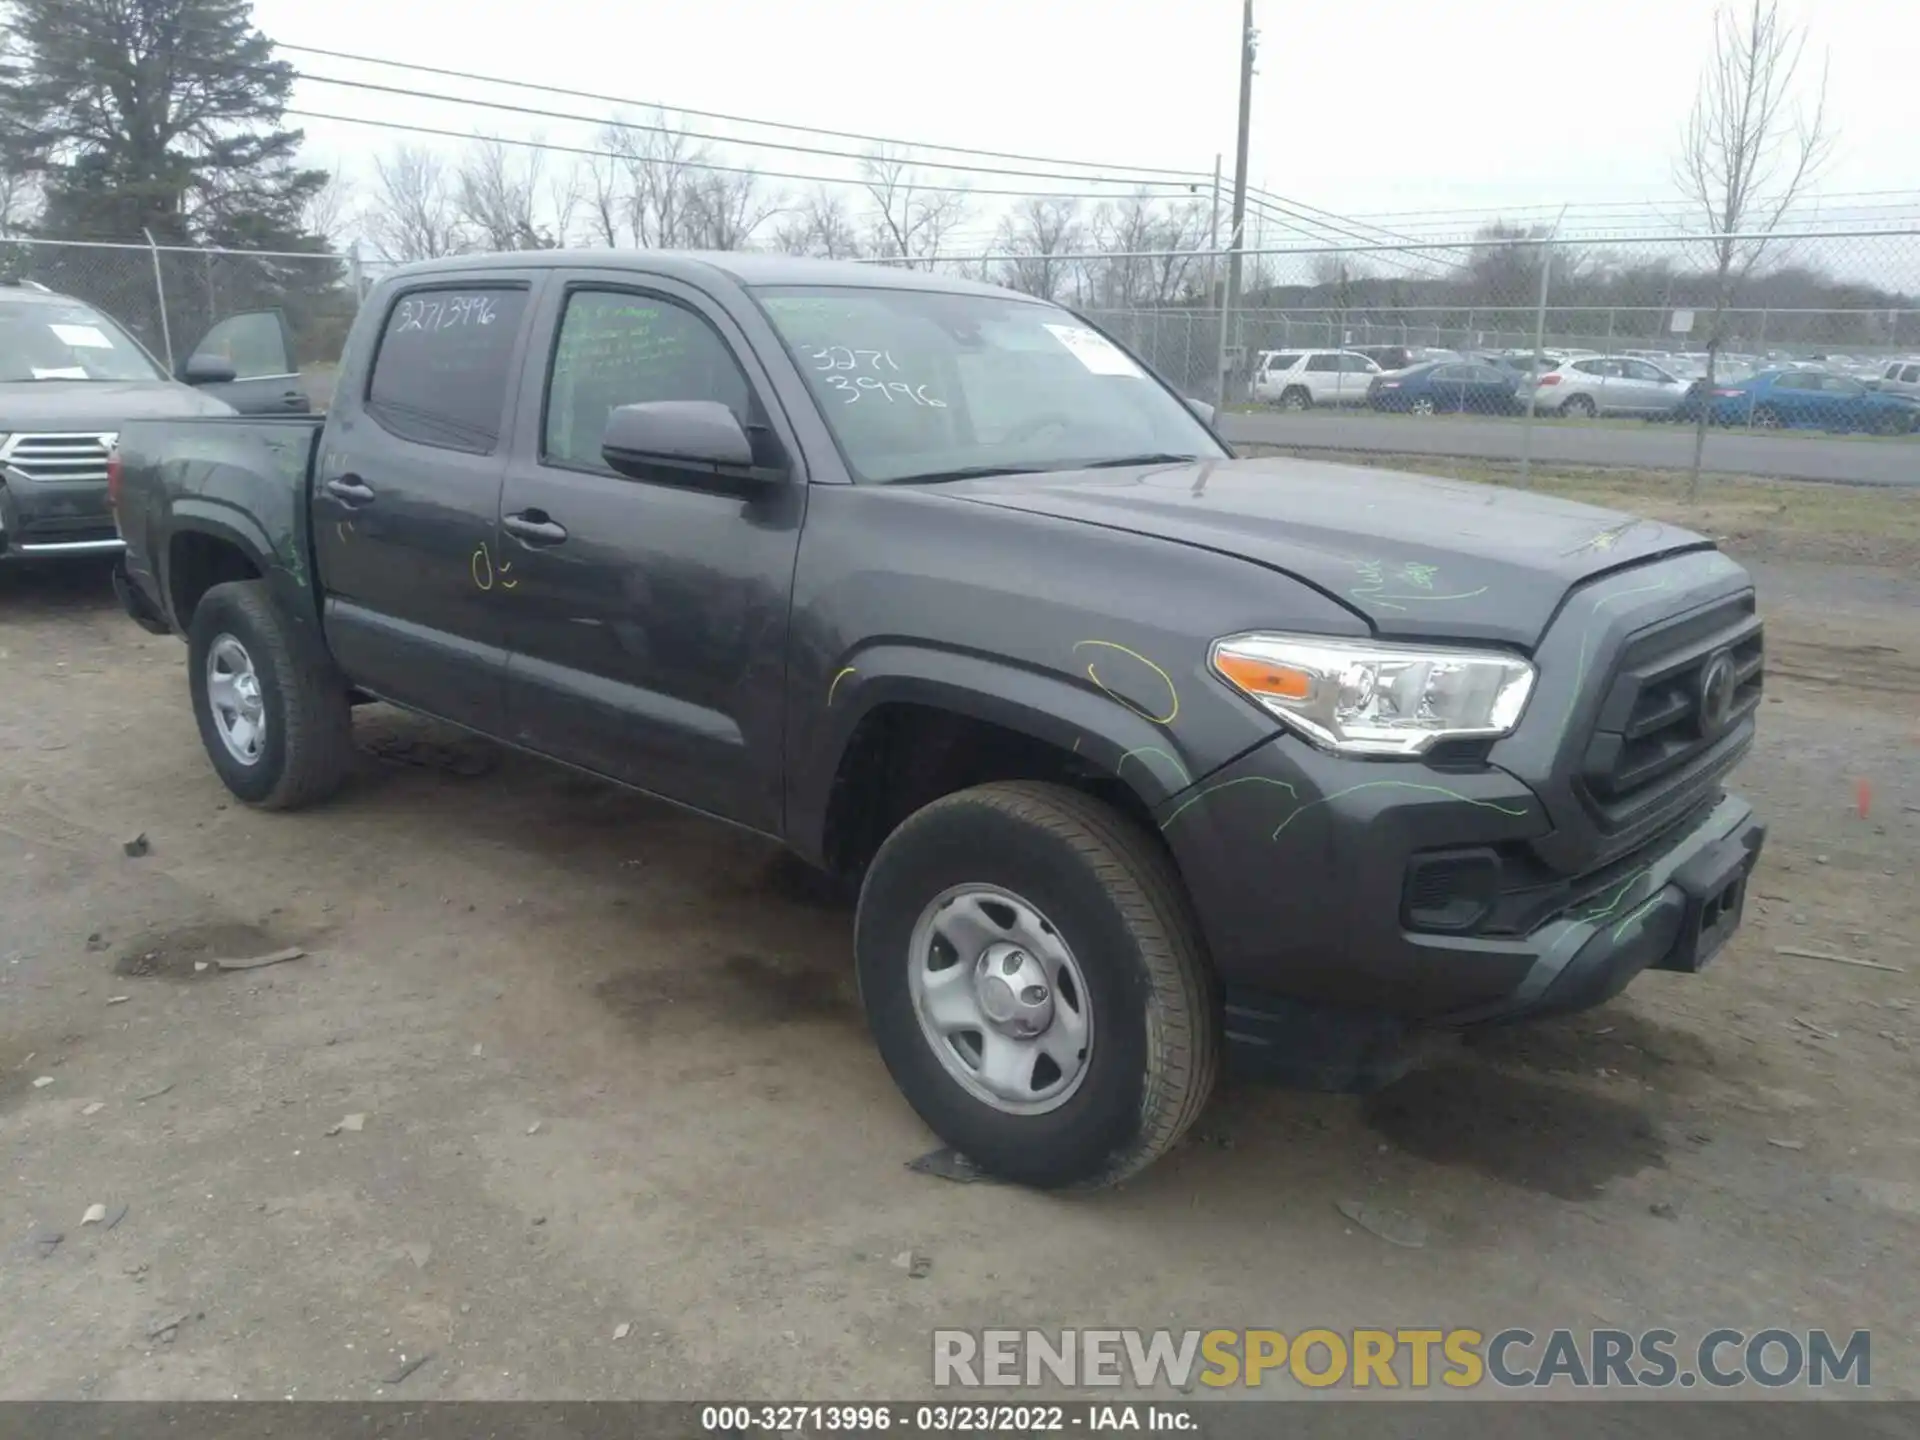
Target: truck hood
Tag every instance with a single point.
(1417, 556)
(99, 404)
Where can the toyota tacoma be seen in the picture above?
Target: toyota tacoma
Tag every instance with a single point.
(1143, 757)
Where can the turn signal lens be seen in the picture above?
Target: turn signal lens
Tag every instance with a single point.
(1261, 677)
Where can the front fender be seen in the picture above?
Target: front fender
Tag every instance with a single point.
(1119, 738)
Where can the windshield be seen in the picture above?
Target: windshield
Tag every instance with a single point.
(66, 341)
(923, 384)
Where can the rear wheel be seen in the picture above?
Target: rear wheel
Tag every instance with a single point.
(1580, 407)
(273, 717)
(1767, 418)
(1295, 398)
(1036, 984)
(1422, 405)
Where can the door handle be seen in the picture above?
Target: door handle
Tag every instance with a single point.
(350, 488)
(535, 527)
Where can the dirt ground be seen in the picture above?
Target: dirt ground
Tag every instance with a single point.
(611, 1073)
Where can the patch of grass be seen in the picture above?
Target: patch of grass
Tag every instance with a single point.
(1777, 519)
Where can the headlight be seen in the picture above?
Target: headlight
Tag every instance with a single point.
(1360, 698)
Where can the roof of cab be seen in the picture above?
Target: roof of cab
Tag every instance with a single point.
(743, 267)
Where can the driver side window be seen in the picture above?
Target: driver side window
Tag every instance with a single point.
(622, 349)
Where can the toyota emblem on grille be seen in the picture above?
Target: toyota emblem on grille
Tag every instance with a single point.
(1717, 686)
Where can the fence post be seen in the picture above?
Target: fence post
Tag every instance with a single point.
(1539, 345)
(353, 270)
(160, 294)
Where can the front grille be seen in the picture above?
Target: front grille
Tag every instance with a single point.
(1680, 703)
(55, 459)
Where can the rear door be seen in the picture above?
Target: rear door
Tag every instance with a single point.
(266, 380)
(649, 617)
(1322, 377)
(406, 496)
(1356, 374)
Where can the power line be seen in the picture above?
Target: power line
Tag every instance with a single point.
(706, 165)
(1188, 177)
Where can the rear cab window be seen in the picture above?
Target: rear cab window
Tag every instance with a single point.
(444, 361)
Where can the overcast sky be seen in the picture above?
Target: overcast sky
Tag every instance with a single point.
(1369, 108)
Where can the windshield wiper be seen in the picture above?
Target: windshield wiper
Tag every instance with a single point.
(1119, 461)
(969, 472)
(1055, 467)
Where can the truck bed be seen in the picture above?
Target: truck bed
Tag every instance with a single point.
(243, 478)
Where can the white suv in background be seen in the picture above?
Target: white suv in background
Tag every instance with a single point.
(1300, 379)
(1902, 377)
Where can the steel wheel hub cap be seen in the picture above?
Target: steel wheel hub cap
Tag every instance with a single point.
(233, 695)
(1001, 1000)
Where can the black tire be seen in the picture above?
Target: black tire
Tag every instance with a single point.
(1296, 398)
(307, 751)
(1767, 418)
(1581, 406)
(1118, 904)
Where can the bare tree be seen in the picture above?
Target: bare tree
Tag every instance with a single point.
(498, 194)
(912, 220)
(331, 211)
(725, 209)
(819, 226)
(1752, 147)
(1032, 234)
(1146, 242)
(414, 214)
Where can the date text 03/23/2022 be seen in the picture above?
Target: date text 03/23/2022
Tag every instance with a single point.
(943, 1419)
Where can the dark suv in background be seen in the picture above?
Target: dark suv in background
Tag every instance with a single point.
(70, 377)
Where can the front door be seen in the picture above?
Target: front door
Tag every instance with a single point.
(406, 497)
(257, 347)
(648, 617)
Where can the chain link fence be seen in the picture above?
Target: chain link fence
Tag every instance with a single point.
(1512, 327)
(1373, 347)
(168, 297)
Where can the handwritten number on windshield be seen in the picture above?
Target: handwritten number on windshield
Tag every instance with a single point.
(839, 357)
(887, 389)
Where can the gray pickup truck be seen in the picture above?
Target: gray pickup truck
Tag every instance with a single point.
(1141, 755)
(70, 378)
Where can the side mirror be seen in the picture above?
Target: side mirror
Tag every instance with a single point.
(207, 370)
(701, 437)
(1202, 409)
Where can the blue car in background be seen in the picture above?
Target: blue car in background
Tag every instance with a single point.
(1446, 387)
(1778, 399)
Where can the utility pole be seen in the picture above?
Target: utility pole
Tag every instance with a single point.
(1213, 239)
(1248, 39)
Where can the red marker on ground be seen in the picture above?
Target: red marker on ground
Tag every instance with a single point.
(1862, 797)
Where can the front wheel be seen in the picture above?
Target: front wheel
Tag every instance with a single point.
(274, 718)
(1036, 984)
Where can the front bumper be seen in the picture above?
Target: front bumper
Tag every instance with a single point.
(53, 520)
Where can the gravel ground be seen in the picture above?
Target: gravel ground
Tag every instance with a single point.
(610, 1073)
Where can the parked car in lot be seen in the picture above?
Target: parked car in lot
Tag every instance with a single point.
(1453, 387)
(1820, 399)
(69, 379)
(1608, 385)
(1136, 752)
(1301, 379)
(1401, 357)
(1902, 377)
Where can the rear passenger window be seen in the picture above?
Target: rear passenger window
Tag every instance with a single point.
(440, 375)
(1324, 363)
(621, 349)
(1911, 374)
